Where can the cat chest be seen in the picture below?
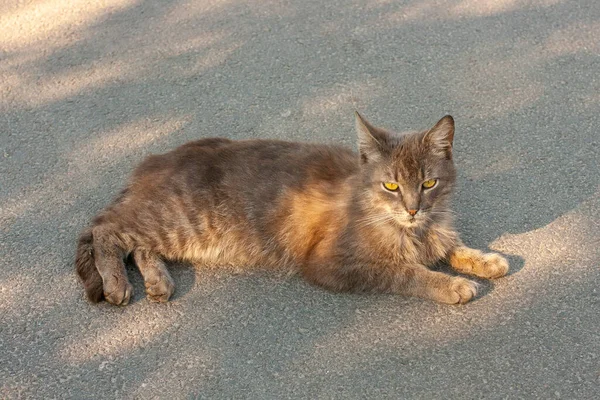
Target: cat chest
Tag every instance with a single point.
(427, 249)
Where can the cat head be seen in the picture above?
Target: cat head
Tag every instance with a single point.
(407, 177)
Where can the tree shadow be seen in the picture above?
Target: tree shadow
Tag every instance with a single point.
(524, 148)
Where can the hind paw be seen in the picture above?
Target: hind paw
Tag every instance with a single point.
(160, 291)
(118, 292)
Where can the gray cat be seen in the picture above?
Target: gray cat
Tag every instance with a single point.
(371, 222)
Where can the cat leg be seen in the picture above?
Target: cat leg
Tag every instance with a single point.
(474, 262)
(158, 281)
(409, 280)
(108, 257)
(420, 281)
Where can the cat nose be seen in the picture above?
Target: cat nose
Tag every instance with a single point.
(413, 212)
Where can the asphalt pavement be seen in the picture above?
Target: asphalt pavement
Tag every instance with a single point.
(88, 88)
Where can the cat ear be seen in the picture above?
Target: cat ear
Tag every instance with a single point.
(441, 136)
(369, 146)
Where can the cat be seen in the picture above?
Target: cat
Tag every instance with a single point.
(367, 222)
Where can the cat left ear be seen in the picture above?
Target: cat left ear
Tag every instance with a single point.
(368, 145)
(441, 136)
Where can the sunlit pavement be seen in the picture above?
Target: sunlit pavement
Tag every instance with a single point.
(87, 88)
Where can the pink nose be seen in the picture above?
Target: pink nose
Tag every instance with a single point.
(413, 212)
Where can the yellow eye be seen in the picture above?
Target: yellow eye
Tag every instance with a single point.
(392, 187)
(428, 184)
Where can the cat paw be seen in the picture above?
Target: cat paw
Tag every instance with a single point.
(461, 291)
(474, 262)
(118, 292)
(491, 266)
(160, 291)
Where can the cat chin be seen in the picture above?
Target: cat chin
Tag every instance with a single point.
(409, 223)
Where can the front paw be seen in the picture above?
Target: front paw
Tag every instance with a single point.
(454, 290)
(492, 266)
(474, 262)
(461, 291)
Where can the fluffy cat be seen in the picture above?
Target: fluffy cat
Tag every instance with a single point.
(367, 222)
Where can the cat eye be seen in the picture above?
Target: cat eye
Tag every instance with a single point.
(392, 187)
(428, 184)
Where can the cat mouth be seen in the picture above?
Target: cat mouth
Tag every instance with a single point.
(410, 222)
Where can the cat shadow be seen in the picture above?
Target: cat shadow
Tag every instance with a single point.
(516, 263)
(486, 286)
(184, 276)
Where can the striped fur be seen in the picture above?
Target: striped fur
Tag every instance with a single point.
(318, 210)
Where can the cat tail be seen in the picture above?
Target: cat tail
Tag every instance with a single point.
(85, 266)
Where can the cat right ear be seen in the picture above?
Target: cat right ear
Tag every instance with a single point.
(441, 136)
(369, 146)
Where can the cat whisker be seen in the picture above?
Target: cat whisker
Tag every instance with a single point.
(371, 220)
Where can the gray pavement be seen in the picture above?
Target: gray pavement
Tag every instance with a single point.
(87, 88)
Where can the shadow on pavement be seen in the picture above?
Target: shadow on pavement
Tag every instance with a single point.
(147, 76)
